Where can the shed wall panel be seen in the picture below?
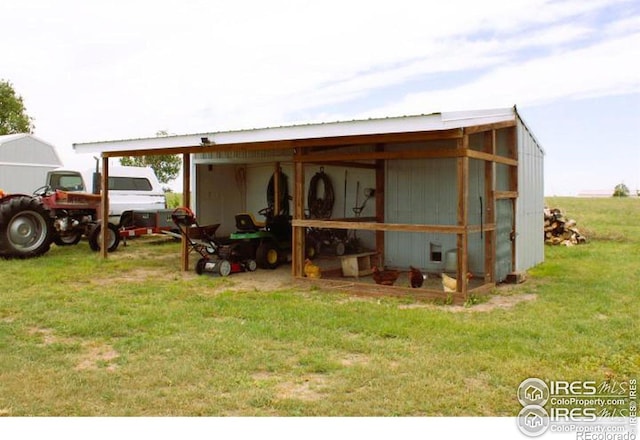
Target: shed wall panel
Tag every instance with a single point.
(530, 204)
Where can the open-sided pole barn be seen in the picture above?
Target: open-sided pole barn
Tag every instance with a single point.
(461, 187)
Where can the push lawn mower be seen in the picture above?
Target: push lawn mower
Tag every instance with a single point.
(217, 257)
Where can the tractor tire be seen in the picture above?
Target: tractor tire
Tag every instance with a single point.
(68, 239)
(268, 255)
(113, 238)
(26, 228)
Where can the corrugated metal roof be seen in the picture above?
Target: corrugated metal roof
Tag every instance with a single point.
(401, 124)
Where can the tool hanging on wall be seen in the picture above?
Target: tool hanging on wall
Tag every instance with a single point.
(320, 207)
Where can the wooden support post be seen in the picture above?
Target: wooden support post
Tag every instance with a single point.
(104, 207)
(186, 202)
(463, 217)
(380, 203)
(490, 209)
(298, 248)
(276, 190)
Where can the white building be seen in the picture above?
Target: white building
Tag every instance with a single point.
(24, 162)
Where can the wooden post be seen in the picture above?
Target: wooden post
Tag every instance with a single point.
(186, 202)
(380, 202)
(104, 206)
(299, 246)
(276, 190)
(490, 209)
(463, 217)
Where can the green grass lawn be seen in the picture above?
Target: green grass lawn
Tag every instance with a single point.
(133, 336)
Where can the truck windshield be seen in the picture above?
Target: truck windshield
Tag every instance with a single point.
(67, 182)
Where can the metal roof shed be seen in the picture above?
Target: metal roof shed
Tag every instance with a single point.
(24, 162)
(468, 181)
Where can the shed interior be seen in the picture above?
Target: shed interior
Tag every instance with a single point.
(440, 200)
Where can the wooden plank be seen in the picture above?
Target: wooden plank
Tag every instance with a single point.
(415, 136)
(297, 143)
(104, 207)
(489, 127)
(491, 157)
(380, 203)
(298, 248)
(506, 195)
(463, 217)
(425, 153)
(373, 226)
(490, 210)
(186, 202)
(362, 165)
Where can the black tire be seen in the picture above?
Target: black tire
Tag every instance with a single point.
(69, 239)
(113, 236)
(268, 255)
(251, 265)
(26, 228)
(200, 265)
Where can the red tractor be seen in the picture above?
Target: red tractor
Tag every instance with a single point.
(30, 223)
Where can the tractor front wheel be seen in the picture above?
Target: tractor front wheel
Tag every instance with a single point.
(26, 228)
(68, 239)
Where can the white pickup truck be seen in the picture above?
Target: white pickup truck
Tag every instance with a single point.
(130, 188)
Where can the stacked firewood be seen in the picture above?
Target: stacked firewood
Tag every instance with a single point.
(560, 230)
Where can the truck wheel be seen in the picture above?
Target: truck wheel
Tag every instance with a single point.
(113, 238)
(267, 255)
(26, 228)
(69, 239)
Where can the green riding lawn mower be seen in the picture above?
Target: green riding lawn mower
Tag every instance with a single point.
(268, 242)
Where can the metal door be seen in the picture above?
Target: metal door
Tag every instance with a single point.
(504, 238)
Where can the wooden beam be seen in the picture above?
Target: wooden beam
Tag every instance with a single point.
(373, 226)
(463, 218)
(490, 209)
(299, 246)
(492, 157)
(506, 194)
(424, 153)
(186, 202)
(417, 136)
(276, 189)
(380, 204)
(489, 127)
(368, 166)
(104, 207)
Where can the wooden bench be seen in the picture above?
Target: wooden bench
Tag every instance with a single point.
(356, 265)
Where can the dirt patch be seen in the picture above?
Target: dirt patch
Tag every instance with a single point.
(353, 359)
(48, 337)
(309, 388)
(97, 356)
(261, 280)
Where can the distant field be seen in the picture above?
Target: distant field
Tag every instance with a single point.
(134, 336)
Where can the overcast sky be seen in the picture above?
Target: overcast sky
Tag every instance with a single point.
(92, 71)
